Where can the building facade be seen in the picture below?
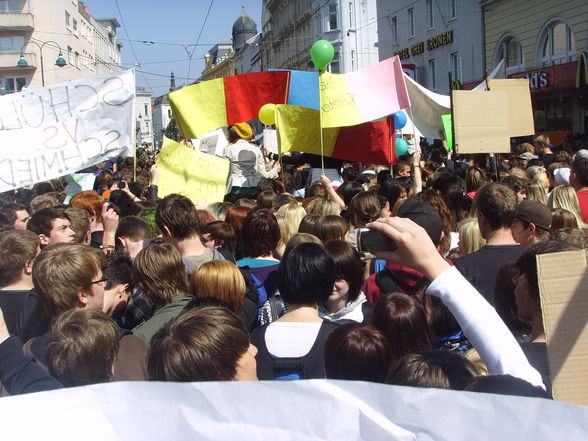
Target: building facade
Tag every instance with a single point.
(432, 38)
(143, 119)
(64, 27)
(290, 27)
(544, 42)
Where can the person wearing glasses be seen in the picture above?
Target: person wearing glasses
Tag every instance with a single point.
(67, 277)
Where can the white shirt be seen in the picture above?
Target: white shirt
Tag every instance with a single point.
(291, 339)
(247, 165)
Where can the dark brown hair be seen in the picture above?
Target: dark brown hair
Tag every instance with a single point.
(81, 347)
(260, 234)
(402, 319)
(357, 352)
(179, 214)
(347, 266)
(364, 208)
(201, 344)
(17, 247)
(498, 203)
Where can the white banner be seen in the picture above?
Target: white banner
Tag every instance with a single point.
(284, 411)
(57, 130)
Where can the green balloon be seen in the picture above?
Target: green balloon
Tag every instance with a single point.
(321, 53)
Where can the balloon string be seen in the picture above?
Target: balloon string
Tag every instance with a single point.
(321, 123)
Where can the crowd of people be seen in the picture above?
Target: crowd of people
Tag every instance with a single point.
(281, 280)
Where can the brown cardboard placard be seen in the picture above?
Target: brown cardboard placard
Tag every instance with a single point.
(563, 287)
(520, 110)
(481, 121)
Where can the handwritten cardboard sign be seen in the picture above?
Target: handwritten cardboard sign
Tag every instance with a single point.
(57, 130)
(201, 177)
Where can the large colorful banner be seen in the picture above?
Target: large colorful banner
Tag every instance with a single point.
(299, 130)
(57, 130)
(206, 106)
(364, 95)
(202, 177)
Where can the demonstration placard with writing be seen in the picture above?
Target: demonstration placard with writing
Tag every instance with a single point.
(201, 177)
(60, 129)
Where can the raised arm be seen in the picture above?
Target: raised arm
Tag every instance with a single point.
(477, 318)
(333, 196)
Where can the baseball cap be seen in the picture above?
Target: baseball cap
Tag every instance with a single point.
(423, 215)
(536, 213)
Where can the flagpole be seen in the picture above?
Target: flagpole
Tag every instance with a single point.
(321, 124)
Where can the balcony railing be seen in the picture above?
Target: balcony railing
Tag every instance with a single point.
(17, 20)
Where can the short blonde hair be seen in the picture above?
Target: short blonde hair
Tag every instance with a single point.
(536, 192)
(325, 207)
(470, 237)
(293, 214)
(220, 279)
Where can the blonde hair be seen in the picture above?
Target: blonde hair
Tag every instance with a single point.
(564, 196)
(222, 280)
(542, 139)
(538, 174)
(292, 214)
(325, 207)
(562, 218)
(520, 173)
(527, 147)
(470, 237)
(536, 192)
(283, 232)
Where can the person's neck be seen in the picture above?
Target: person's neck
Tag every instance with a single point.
(301, 313)
(21, 285)
(191, 247)
(537, 331)
(503, 236)
(334, 306)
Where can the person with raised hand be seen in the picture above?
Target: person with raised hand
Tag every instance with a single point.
(478, 319)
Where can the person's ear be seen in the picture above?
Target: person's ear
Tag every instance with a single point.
(121, 290)
(28, 267)
(44, 240)
(167, 231)
(82, 298)
(533, 229)
(123, 241)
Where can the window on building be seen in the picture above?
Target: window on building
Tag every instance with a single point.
(14, 84)
(10, 6)
(146, 112)
(11, 44)
(410, 22)
(350, 13)
(430, 16)
(75, 26)
(336, 63)
(432, 75)
(556, 45)
(511, 51)
(353, 67)
(394, 28)
(455, 66)
(452, 9)
(333, 19)
(69, 58)
(77, 60)
(67, 20)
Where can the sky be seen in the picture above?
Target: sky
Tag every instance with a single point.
(172, 26)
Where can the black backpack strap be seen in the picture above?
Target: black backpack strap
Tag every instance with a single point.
(386, 282)
(367, 309)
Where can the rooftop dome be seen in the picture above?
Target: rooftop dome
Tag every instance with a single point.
(243, 29)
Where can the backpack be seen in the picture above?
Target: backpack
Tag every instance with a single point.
(387, 284)
(255, 297)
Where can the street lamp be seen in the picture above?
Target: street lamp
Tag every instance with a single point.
(60, 61)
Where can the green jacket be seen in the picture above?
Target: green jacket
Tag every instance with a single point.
(164, 314)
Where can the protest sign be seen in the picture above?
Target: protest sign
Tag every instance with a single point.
(199, 176)
(79, 182)
(285, 410)
(364, 95)
(446, 120)
(563, 285)
(57, 130)
(480, 121)
(270, 141)
(213, 143)
(520, 109)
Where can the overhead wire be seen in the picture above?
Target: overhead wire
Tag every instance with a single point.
(190, 54)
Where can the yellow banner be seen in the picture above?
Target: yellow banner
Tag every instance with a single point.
(337, 102)
(299, 131)
(200, 108)
(196, 175)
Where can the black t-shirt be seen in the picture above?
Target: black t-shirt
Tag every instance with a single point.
(481, 267)
(11, 302)
(536, 353)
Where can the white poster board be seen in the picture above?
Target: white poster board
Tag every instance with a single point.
(213, 143)
(60, 129)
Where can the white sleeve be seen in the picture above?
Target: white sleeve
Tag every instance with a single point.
(260, 167)
(483, 327)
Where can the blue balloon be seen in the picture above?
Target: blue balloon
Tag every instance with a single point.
(400, 119)
(401, 147)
